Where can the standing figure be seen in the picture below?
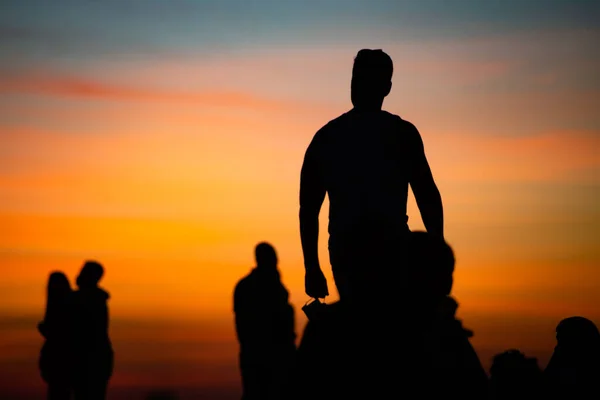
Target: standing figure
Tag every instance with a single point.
(264, 322)
(56, 355)
(93, 349)
(365, 160)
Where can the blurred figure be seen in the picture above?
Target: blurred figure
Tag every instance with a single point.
(515, 376)
(56, 356)
(574, 369)
(455, 366)
(93, 349)
(264, 321)
(365, 160)
(440, 357)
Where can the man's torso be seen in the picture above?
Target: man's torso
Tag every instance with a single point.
(364, 159)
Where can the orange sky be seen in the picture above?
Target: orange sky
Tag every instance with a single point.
(170, 168)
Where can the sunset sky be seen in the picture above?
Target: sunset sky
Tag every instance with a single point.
(165, 139)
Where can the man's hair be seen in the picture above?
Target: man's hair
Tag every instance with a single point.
(373, 65)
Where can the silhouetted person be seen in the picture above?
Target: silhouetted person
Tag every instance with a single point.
(573, 372)
(56, 356)
(93, 349)
(455, 367)
(432, 349)
(515, 376)
(365, 161)
(264, 321)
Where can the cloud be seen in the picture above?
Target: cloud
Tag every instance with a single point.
(85, 88)
(553, 156)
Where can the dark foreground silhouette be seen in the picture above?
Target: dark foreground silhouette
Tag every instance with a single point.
(392, 346)
(515, 376)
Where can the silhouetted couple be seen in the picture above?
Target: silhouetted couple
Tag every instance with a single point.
(77, 357)
(264, 321)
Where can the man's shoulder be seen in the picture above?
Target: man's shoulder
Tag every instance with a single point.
(339, 125)
(334, 124)
(330, 130)
(402, 123)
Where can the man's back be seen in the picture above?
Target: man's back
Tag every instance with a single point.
(364, 160)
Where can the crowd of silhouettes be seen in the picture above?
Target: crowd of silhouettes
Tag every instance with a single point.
(416, 345)
(394, 330)
(76, 360)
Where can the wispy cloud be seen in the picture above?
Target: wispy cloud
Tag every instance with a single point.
(82, 88)
(554, 156)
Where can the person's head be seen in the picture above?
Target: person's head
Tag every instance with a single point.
(576, 334)
(57, 291)
(90, 275)
(513, 374)
(58, 285)
(371, 78)
(266, 257)
(431, 262)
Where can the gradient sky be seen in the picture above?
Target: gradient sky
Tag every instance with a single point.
(165, 139)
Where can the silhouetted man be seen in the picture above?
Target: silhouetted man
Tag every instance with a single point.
(93, 349)
(364, 160)
(264, 322)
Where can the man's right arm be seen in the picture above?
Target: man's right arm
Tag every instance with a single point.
(424, 188)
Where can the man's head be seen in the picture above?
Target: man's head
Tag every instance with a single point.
(90, 274)
(371, 78)
(266, 257)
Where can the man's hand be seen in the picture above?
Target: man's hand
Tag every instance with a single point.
(315, 283)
